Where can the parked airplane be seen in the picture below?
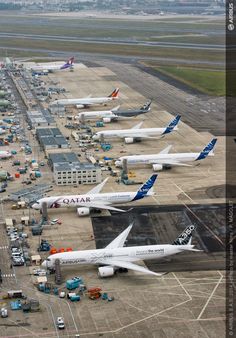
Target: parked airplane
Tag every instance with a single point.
(51, 67)
(5, 154)
(114, 114)
(165, 160)
(87, 101)
(115, 256)
(96, 200)
(136, 133)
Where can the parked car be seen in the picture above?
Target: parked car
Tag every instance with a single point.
(4, 313)
(2, 190)
(60, 323)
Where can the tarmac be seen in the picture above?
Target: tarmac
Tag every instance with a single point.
(189, 301)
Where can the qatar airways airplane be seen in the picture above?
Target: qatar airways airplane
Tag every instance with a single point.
(53, 66)
(115, 256)
(96, 200)
(87, 101)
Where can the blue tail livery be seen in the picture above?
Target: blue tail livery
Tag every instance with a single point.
(144, 189)
(172, 125)
(207, 150)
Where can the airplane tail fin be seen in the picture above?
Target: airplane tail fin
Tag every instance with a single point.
(71, 61)
(208, 150)
(147, 106)
(172, 125)
(114, 93)
(185, 238)
(145, 189)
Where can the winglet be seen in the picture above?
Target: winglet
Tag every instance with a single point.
(98, 188)
(116, 108)
(208, 150)
(173, 124)
(185, 237)
(137, 126)
(144, 189)
(166, 150)
(119, 241)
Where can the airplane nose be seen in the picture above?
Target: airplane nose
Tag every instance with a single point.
(95, 137)
(44, 264)
(35, 206)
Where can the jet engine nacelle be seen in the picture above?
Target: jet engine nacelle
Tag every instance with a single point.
(157, 167)
(79, 106)
(129, 140)
(106, 271)
(83, 211)
(106, 119)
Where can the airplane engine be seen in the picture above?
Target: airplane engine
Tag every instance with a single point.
(129, 140)
(106, 271)
(83, 211)
(106, 119)
(79, 106)
(157, 167)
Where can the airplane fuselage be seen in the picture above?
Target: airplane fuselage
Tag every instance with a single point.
(159, 158)
(127, 254)
(83, 102)
(83, 200)
(134, 133)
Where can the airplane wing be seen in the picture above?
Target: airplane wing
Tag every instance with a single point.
(130, 266)
(119, 241)
(166, 150)
(98, 188)
(97, 205)
(180, 164)
(137, 125)
(116, 108)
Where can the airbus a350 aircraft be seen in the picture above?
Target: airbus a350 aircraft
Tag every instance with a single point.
(115, 255)
(165, 160)
(136, 133)
(114, 114)
(87, 101)
(51, 67)
(96, 200)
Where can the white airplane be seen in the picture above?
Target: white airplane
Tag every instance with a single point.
(136, 133)
(5, 154)
(51, 67)
(165, 160)
(114, 114)
(87, 101)
(115, 256)
(96, 200)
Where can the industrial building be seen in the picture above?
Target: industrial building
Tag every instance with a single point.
(51, 138)
(68, 170)
(40, 118)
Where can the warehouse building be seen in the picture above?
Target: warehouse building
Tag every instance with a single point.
(68, 170)
(41, 118)
(51, 138)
